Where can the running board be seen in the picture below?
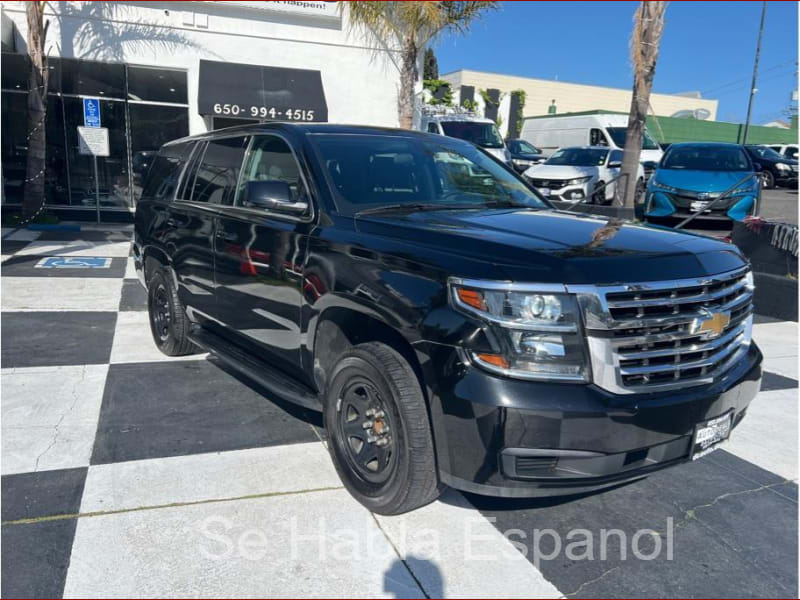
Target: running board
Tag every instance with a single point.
(267, 376)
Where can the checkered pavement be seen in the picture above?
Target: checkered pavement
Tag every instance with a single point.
(128, 473)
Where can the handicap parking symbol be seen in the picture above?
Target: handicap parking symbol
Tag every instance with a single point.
(73, 262)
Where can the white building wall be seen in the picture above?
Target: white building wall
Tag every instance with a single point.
(574, 97)
(359, 77)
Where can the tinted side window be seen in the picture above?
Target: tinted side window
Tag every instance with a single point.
(218, 173)
(271, 159)
(164, 171)
(791, 152)
(432, 128)
(187, 183)
(615, 156)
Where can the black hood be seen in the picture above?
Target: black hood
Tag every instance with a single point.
(550, 246)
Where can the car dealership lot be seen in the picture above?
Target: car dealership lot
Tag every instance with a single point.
(130, 473)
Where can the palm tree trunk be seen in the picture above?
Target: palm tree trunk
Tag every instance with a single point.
(33, 196)
(409, 73)
(648, 27)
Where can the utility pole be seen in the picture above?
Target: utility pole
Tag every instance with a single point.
(753, 89)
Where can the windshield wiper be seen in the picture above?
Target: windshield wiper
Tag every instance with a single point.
(393, 207)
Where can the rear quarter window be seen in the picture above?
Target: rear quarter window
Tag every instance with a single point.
(164, 172)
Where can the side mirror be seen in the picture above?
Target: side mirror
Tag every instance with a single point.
(615, 164)
(273, 195)
(757, 166)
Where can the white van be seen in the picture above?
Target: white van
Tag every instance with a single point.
(466, 126)
(551, 132)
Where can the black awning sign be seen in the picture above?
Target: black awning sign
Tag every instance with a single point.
(264, 93)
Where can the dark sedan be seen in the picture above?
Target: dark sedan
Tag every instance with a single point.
(774, 169)
(524, 155)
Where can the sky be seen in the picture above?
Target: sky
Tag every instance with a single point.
(707, 47)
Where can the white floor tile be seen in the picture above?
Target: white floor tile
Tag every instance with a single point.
(320, 544)
(49, 416)
(133, 341)
(107, 249)
(455, 552)
(23, 235)
(777, 340)
(130, 269)
(768, 435)
(61, 293)
(786, 366)
(202, 477)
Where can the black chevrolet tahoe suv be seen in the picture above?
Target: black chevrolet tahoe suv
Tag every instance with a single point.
(453, 328)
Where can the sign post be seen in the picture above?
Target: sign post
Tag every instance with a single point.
(93, 140)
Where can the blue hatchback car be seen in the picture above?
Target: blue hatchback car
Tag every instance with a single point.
(691, 176)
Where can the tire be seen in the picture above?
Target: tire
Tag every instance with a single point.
(599, 195)
(640, 191)
(767, 180)
(168, 321)
(396, 472)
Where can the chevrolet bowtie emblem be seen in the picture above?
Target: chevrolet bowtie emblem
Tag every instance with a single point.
(713, 324)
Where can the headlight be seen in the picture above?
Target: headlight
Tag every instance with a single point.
(751, 187)
(578, 180)
(783, 167)
(518, 162)
(664, 188)
(749, 283)
(535, 332)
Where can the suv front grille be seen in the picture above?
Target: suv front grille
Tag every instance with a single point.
(553, 184)
(664, 335)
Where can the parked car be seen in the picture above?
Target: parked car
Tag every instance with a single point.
(580, 174)
(467, 126)
(692, 176)
(524, 155)
(774, 169)
(787, 150)
(452, 327)
(591, 128)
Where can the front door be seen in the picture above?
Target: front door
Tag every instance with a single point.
(259, 260)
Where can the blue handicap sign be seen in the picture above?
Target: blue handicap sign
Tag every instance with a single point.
(73, 262)
(91, 112)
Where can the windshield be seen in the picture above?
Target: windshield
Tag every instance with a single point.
(618, 134)
(765, 152)
(370, 171)
(522, 147)
(706, 158)
(482, 134)
(579, 157)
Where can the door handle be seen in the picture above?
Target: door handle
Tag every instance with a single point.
(228, 237)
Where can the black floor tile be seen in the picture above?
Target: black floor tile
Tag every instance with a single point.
(714, 508)
(41, 339)
(36, 554)
(35, 558)
(187, 407)
(134, 296)
(25, 266)
(42, 494)
(773, 381)
(11, 246)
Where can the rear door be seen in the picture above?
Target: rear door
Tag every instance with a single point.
(260, 255)
(208, 182)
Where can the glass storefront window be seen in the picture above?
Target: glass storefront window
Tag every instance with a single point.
(157, 85)
(137, 128)
(112, 170)
(152, 125)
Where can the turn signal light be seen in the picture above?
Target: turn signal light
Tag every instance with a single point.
(494, 359)
(472, 298)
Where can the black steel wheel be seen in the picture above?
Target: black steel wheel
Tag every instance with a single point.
(168, 321)
(379, 433)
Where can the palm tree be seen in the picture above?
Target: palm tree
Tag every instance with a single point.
(645, 40)
(33, 195)
(406, 27)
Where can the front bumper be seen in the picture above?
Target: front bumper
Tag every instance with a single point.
(513, 438)
(569, 193)
(660, 205)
